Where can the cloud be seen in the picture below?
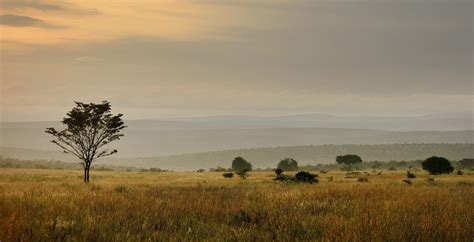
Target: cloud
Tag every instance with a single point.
(25, 21)
(19, 20)
(47, 7)
(20, 4)
(88, 59)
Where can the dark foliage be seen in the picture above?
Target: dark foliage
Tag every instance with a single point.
(306, 177)
(437, 165)
(410, 175)
(348, 159)
(239, 164)
(278, 171)
(228, 175)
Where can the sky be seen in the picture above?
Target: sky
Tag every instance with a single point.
(161, 59)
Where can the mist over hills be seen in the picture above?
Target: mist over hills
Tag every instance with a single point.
(266, 157)
(170, 137)
(147, 138)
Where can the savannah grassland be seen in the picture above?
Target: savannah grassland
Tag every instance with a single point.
(39, 205)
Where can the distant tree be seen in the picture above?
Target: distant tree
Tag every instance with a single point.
(89, 127)
(288, 164)
(239, 164)
(437, 165)
(467, 163)
(348, 159)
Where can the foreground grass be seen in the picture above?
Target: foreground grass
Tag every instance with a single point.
(55, 205)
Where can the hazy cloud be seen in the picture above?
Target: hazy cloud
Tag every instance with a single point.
(25, 21)
(19, 20)
(32, 4)
(55, 6)
(88, 58)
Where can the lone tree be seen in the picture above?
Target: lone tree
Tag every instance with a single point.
(239, 164)
(288, 164)
(348, 159)
(437, 165)
(89, 127)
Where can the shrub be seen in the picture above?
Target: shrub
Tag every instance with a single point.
(278, 171)
(228, 175)
(410, 175)
(288, 164)
(460, 172)
(306, 177)
(323, 171)
(239, 164)
(201, 170)
(437, 165)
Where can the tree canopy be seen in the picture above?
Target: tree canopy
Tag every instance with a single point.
(437, 165)
(348, 159)
(288, 164)
(239, 164)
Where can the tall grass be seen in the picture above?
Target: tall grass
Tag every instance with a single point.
(206, 206)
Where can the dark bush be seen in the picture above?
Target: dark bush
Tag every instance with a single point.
(278, 171)
(460, 172)
(228, 175)
(437, 165)
(306, 177)
(410, 175)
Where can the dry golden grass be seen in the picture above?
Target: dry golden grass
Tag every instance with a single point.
(38, 205)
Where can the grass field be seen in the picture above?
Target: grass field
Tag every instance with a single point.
(39, 205)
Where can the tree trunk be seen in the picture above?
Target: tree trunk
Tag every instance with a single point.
(88, 168)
